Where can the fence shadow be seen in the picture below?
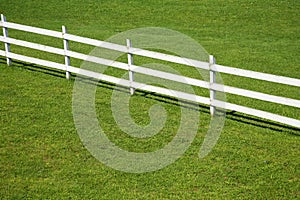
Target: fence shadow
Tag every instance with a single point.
(262, 123)
(230, 115)
(35, 68)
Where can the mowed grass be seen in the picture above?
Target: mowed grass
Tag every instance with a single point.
(42, 156)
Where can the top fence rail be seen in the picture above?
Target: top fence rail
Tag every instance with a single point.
(155, 55)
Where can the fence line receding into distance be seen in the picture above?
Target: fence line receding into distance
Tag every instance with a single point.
(211, 66)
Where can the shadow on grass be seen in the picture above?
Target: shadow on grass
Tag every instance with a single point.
(35, 68)
(262, 123)
(230, 115)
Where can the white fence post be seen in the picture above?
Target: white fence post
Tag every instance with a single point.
(66, 48)
(212, 80)
(130, 62)
(5, 35)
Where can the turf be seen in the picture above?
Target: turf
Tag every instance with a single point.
(42, 156)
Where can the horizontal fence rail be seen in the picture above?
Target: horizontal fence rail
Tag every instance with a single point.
(128, 49)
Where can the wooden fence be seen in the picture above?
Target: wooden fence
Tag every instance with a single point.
(128, 49)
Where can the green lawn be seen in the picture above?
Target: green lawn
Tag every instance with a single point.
(42, 156)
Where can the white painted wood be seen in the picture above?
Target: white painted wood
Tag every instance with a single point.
(172, 93)
(99, 76)
(212, 80)
(33, 45)
(257, 95)
(137, 51)
(130, 63)
(32, 29)
(139, 69)
(96, 43)
(98, 60)
(5, 35)
(66, 48)
(169, 76)
(37, 61)
(2, 53)
(77, 55)
(257, 113)
(141, 86)
(257, 75)
(170, 58)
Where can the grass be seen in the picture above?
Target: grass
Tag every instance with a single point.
(42, 156)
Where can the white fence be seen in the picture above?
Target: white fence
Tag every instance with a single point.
(211, 66)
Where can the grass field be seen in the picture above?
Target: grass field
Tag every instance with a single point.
(42, 156)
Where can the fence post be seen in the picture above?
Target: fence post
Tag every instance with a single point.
(66, 48)
(5, 35)
(212, 80)
(130, 62)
